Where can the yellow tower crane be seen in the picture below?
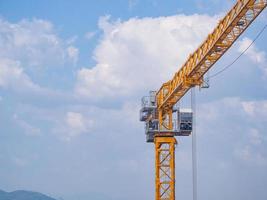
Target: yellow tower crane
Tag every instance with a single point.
(159, 107)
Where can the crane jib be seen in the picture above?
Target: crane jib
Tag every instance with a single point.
(210, 51)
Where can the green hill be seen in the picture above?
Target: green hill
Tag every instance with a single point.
(23, 195)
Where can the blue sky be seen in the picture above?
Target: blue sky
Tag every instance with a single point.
(71, 78)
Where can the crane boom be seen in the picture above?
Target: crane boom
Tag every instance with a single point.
(209, 52)
(158, 109)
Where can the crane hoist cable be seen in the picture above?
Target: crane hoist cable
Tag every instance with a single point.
(193, 107)
(242, 53)
(194, 144)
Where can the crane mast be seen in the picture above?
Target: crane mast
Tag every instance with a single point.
(159, 107)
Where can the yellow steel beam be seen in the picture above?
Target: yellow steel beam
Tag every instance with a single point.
(217, 43)
(165, 167)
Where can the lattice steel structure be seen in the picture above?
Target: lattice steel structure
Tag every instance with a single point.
(160, 113)
(165, 167)
(209, 52)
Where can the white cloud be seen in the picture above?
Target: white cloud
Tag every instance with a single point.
(132, 4)
(250, 150)
(240, 124)
(20, 161)
(254, 54)
(248, 107)
(33, 42)
(14, 79)
(255, 136)
(244, 153)
(76, 121)
(27, 128)
(139, 54)
(83, 120)
(98, 81)
(251, 156)
(31, 48)
(90, 35)
(255, 108)
(213, 111)
(71, 40)
(73, 53)
(72, 125)
(12, 76)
